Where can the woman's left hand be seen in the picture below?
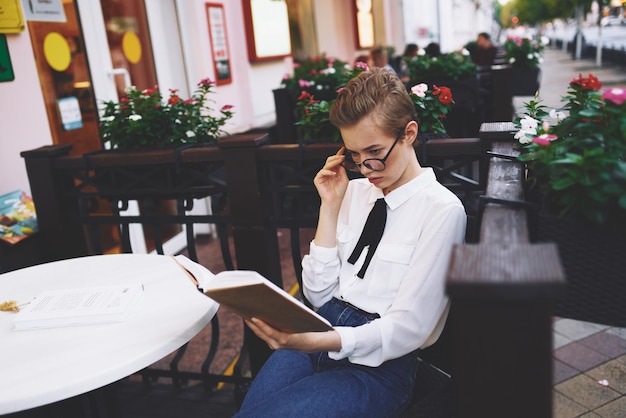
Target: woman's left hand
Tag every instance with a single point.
(307, 342)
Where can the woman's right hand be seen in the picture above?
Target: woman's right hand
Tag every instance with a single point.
(332, 181)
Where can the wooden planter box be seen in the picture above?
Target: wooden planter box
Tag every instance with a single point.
(525, 81)
(593, 259)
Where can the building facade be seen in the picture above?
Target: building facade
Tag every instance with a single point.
(63, 70)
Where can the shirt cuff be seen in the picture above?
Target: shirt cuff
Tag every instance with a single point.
(346, 334)
(323, 254)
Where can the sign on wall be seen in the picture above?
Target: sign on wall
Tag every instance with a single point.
(6, 69)
(11, 18)
(219, 43)
(267, 29)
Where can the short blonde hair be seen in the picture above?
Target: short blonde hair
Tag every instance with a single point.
(377, 92)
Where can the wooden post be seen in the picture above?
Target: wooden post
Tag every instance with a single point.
(250, 235)
(501, 94)
(60, 234)
(503, 292)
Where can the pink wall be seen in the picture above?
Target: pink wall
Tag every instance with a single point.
(22, 115)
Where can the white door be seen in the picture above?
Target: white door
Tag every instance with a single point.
(122, 51)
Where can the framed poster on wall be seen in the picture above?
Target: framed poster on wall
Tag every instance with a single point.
(267, 29)
(219, 43)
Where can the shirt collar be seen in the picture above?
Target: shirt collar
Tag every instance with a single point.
(403, 193)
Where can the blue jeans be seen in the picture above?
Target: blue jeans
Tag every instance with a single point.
(294, 384)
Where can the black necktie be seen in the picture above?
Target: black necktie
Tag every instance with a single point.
(371, 235)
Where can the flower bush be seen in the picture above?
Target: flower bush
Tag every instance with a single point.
(431, 106)
(451, 66)
(142, 119)
(313, 112)
(523, 52)
(319, 76)
(576, 154)
(313, 102)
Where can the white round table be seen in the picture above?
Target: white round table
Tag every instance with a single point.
(42, 366)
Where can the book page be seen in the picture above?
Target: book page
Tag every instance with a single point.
(77, 306)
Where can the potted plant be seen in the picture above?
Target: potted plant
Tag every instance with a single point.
(441, 69)
(524, 55)
(319, 77)
(142, 119)
(431, 105)
(576, 159)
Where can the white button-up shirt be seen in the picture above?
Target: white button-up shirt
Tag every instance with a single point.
(405, 281)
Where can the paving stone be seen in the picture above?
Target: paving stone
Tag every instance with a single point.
(580, 356)
(587, 392)
(562, 371)
(614, 372)
(564, 407)
(614, 409)
(576, 330)
(608, 344)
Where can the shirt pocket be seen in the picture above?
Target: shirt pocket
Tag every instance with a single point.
(345, 237)
(392, 262)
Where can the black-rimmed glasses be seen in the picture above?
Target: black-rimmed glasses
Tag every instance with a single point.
(374, 164)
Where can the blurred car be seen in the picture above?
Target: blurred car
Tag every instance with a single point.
(612, 21)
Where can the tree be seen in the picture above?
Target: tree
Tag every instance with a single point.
(533, 12)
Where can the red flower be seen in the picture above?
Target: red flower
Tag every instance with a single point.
(226, 108)
(173, 100)
(305, 95)
(206, 82)
(444, 93)
(589, 83)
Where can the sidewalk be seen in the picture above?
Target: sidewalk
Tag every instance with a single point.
(589, 359)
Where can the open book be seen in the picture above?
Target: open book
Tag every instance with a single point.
(79, 306)
(249, 295)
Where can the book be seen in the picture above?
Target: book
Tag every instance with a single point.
(250, 295)
(79, 306)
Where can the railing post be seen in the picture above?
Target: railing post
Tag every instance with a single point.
(250, 235)
(503, 297)
(503, 291)
(501, 94)
(61, 238)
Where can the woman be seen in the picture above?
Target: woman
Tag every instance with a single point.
(383, 307)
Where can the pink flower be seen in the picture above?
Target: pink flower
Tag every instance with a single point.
(545, 139)
(226, 108)
(205, 82)
(419, 90)
(304, 83)
(616, 95)
(362, 65)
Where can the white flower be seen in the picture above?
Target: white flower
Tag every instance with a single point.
(527, 131)
(511, 60)
(556, 114)
(530, 56)
(529, 124)
(135, 117)
(108, 119)
(419, 90)
(190, 134)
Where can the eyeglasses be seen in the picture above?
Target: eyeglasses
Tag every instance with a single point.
(374, 164)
